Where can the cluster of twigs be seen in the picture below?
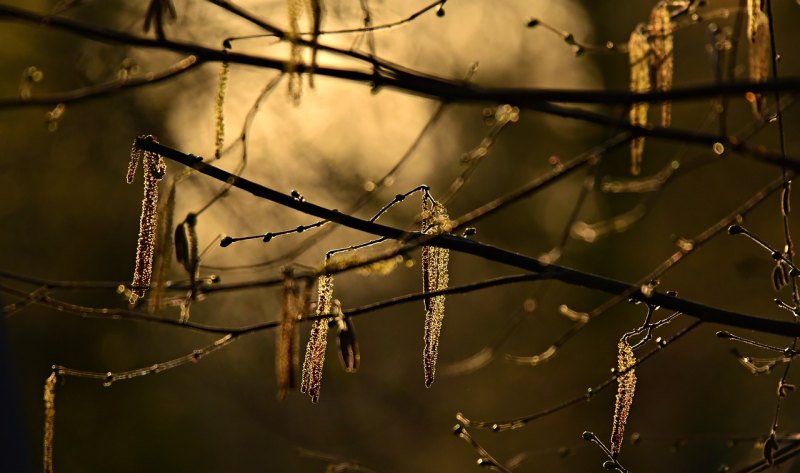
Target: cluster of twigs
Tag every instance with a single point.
(650, 51)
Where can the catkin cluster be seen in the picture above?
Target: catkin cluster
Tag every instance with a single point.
(153, 168)
(318, 341)
(626, 384)
(435, 277)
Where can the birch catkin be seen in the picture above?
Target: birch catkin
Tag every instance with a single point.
(626, 384)
(758, 59)
(219, 110)
(638, 50)
(435, 277)
(295, 8)
(49, 421)
(153, 167)
(661, 57)
(164, 249)
(286, 356)
(318, 341)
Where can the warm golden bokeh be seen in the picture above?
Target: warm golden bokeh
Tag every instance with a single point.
(67, 215)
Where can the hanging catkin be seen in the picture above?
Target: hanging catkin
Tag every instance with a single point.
(661, 55)
(638, 50)
(435, 277)
(219, 110)
(49, 421)
(626, 384)
(164, 247)
(753, 14)
(318, 340)
(286, 356)
(153, 168)
(315, 7)
(295, 8)
(759, 59)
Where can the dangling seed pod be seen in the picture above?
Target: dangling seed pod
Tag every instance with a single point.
(186, 244)
(154, 168)
(638, 50)
(348, 344)
(435, 277)
(318, 340)
(626, 384)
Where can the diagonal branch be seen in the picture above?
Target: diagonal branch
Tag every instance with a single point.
(481, 250)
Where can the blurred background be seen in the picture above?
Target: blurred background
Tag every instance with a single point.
(67, 214)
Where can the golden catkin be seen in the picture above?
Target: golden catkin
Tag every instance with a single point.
(164, 248)
(759, 59)
(638, 50)
(316, 8)
(295, 8)
(753, 14)
(153, 168)
(315, 350)
(286, 356)
(626, 384)
(661, 56)
(49, 421)
(219, 110)
(435, 277)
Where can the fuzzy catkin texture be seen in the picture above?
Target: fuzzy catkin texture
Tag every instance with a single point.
(661, 57)
(49, 421)
(295, 8)
(286, 356)
(753, 14)
(626, 385)
(164, 250)
(153, 167)
(758, 59)
(219, 110)
(318, 341)
(638, 50)
(435, 277)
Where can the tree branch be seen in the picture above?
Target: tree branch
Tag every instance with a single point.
(488, 252)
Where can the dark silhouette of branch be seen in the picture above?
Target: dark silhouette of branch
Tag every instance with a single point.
(400, 78)
(362, 29)
(107, 88)
(488, 252)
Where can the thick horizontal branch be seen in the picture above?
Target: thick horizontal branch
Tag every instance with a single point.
(488, 252)
(396, 77)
